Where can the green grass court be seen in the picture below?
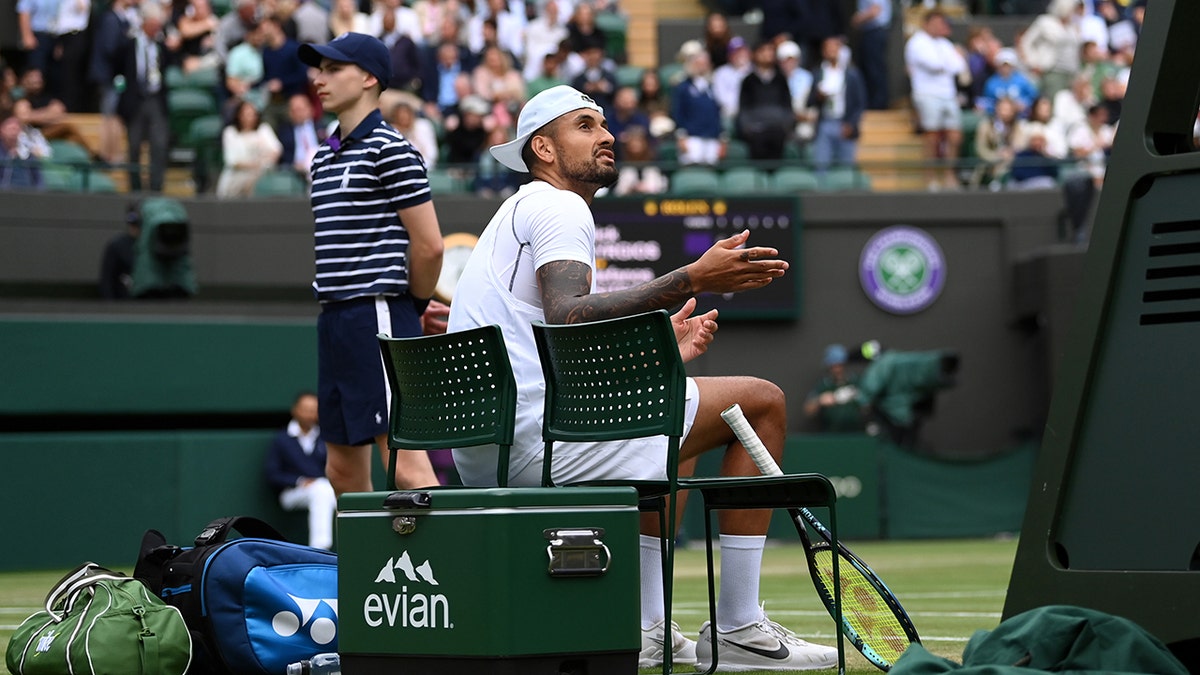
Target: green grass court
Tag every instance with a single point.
(950, 588)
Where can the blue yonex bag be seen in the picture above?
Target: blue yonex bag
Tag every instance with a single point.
(253, 604)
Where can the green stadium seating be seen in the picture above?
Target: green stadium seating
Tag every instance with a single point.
(615, 28)
(280, 183)
(69, 152)
(629, 76)
(843, 178)
(185, 105)
(793, 179)
(737, 153)
(444, 182)
(743, 180)
(695, 180)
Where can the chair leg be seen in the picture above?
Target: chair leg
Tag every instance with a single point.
(837, 592)
(667, 547)
(712, 589)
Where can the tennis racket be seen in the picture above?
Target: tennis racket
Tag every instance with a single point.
(872, 618)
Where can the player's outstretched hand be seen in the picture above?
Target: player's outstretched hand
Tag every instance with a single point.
(693, 333)
(728, 266)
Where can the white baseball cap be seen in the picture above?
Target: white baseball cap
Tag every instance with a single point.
(537, 112)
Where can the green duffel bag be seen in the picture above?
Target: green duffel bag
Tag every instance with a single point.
(100, 622)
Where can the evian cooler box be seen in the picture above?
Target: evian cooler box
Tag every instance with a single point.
(502, 580)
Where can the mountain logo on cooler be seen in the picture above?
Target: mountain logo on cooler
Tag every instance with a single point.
(408, 608)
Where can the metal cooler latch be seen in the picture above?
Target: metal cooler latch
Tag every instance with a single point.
(404, 499)
(577, 552)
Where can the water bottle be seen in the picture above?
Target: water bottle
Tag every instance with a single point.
(321, 664)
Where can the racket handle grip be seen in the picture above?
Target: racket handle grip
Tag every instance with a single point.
(737, 421)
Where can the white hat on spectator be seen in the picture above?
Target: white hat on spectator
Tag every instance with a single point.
(787, 50)
(1007, 56)
(689, 49)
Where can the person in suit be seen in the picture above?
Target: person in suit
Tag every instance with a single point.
(143, 103)
(295, 468)
(300, 135)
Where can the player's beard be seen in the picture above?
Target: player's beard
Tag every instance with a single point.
(590, 171)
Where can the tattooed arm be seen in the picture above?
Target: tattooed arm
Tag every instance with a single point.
(725, 268)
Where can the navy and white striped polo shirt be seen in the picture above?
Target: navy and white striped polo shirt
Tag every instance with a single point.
(361, 245)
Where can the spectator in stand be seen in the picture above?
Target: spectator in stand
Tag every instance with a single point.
(625, 116)
(548, 77)
(1091, 142)
(71, 53)
(1050, 47)
(418, 130)
(232, 29)
(19, 170)
(38, 109)
(249, 147)
(994, 144)
(543, 35)
(1008, 82)
(284, 74)
(1071, 105)
(1032, 167)
(197, 27)
(312, 22)
(638, 174)
(934, 64)
(800, 83)
(431, 15)
(982, 47)
(467, 131)
(509, 27)
(652, 97)
(765, 119)
(496, 81)
(717, 36)
(582, 31)
(727, 79)
(492, 179)
(110, 36)
(840, 97)
(873, 22)
(244, 71)
(438, 84)
(1095, 66)
(143, 103)
(1043, 120)
(36, 21)
(817, 20)
(403, 21)
(598, 78)
(697, 116)
(1112, 95)
(299, 136)
(404, 53)
(345, 18)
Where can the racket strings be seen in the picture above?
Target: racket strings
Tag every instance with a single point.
(863, 609)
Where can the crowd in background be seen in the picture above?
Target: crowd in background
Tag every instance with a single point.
(462, 69)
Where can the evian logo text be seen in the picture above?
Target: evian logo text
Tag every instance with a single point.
(413, 606)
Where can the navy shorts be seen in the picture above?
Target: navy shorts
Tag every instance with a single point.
(351, 385)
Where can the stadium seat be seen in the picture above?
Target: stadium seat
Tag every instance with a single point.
(695, 180)
(185, 105)
(437, 406)
(629, 76)
(670, 74)
(737, 153)
(444, 182)
(842, 178)
(615, 28)
(793, 179)
(280, 183)
(69, 152)
(623, 378)
(204, 138)
(743, 180)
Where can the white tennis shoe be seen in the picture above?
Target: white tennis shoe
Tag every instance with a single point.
(683, 650)
(763, 645)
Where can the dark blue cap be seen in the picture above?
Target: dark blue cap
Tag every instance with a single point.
(364, 51)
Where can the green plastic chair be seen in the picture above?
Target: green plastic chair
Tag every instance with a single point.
(842, 178)
(623, 378)
(69, 152)
(443, 182)
(615, 28)
(629, 75)
(280, 183)
(695, 180)
(793, 179)
(185, 105)
(743, 180)
(454, 390)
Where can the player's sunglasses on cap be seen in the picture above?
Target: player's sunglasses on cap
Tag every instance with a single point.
(537, 112)
(364, 51)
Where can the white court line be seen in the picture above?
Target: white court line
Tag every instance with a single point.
(956, 594)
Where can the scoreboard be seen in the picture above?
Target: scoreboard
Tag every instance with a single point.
(639, 239)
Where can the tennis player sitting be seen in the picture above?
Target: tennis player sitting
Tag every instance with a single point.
(536, 262)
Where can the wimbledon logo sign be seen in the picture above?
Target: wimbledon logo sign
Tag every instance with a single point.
(408, 608)
(902, 269)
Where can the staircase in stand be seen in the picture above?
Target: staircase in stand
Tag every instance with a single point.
(890, 151)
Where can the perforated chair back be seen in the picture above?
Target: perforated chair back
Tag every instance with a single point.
(455, 390)
(611, 380)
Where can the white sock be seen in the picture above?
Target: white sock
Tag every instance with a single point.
(741, 563)
(653, 609)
